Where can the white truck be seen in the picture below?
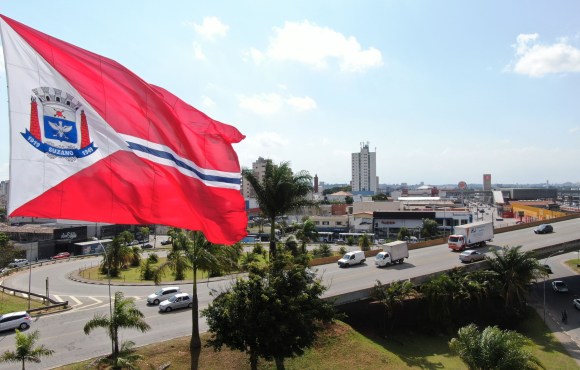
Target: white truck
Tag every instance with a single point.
(392, 253)
(471, 235)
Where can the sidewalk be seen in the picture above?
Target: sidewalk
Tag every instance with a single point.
(570, 343)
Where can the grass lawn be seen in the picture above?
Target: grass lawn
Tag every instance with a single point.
(12, 303)
(133, 274)
(341, 347)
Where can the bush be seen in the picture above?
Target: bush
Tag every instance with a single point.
(153, 258)
(342, 250)
(350, 240)
(258, 249)
(147, 272)
(325, 250)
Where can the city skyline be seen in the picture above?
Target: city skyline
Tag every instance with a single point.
(442, 93)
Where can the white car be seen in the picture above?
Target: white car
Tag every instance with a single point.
(179, 300)
(576, 303)
(15, 320)
(18, 263)
(162, 294)
(559, 286)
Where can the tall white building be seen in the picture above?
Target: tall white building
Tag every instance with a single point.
(259, 171)
(364, 170)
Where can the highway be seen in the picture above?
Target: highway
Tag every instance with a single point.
(63, 332)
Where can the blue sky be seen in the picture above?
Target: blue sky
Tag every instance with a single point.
(445, 91)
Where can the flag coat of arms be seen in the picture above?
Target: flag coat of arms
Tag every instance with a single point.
(92, 141)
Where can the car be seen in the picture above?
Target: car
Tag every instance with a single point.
(18, 263)
(15, 320)
(547, 268)
(544, 229)
(147, 246)
(471, 255)
(163, 294)
(576, 303)
(559, 286)
(134, 242)
(166, 242)
(60, 256)
(179, 300)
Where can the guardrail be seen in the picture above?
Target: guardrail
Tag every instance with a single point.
(54, 304)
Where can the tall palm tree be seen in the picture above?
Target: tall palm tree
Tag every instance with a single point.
(364, 242)
(197, 253)
(279, 192)
(515, 270)
(125, 315)
(392, 296)
(493, 348)
(25, 350)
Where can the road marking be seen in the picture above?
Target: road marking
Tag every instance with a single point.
(78, 301)
(57, 298)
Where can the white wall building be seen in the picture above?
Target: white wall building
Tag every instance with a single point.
(364, 170)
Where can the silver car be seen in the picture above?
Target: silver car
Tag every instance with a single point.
(162, 294)
(180, 300)
(15, 320)
(471, 256)
(18, 263)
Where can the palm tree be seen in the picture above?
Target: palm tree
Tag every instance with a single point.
(119, 253)
(493, 348)
(25, 350)
(515, 270)
(391, 296)
(136, 256)
(307, 233)
(278, 192)
(197, 253)
(125, 315)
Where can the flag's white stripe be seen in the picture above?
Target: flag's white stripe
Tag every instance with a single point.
(162, 154)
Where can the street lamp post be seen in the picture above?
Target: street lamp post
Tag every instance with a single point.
(110, 299)
(545, 262)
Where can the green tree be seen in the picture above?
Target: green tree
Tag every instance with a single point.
(144, 231)
(274, 314)
(7, 253)
(391, 296)
(493, 348)
(136, 256)
(403, 234)
(515, 270)
(364, 242)
(348, 199)
(429, 228)
(25, 350)
(279, 192)
(381, 197)
(119, 253)
(194, 252)
(125, 315)
(307, 233)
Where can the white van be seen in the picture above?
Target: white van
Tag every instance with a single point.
(352, 258)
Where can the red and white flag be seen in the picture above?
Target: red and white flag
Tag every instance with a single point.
(92, 141)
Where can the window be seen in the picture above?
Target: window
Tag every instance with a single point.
(338, 223)
(325, 223)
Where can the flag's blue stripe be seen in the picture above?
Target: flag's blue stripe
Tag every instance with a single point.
(180, 163)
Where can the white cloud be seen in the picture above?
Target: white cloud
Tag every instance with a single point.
(255, 55)
(263, 104)
(211, 28)
(301, 103)
(537, 60)
(574, 130)
(198, 52)
(267, 104)
(207, 101)
(313, 45)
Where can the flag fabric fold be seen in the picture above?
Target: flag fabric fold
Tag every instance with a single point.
(92, 141)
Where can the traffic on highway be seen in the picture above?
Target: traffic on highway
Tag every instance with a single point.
(63, 331)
